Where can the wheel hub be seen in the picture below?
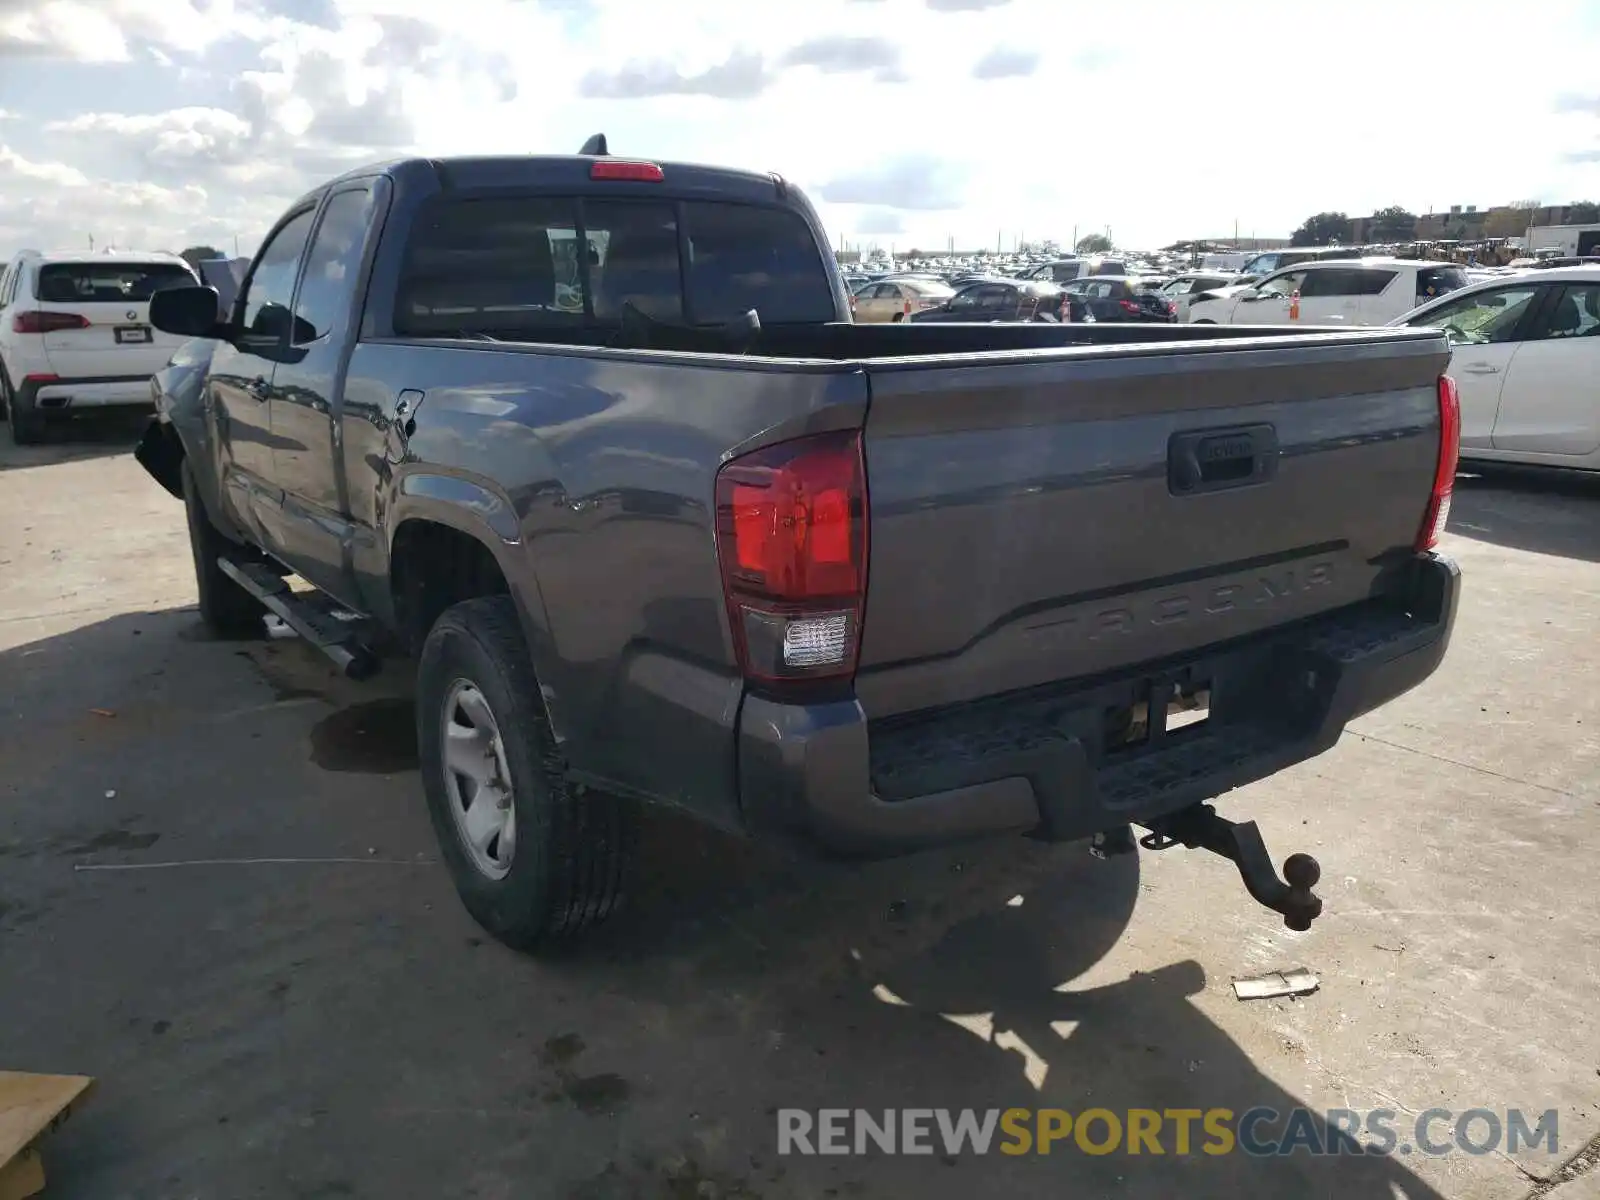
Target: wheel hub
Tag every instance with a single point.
(476, 780)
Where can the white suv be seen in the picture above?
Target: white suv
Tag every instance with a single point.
(75, 333)
(1353, 291)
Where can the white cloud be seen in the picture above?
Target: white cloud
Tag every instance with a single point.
(906, 120)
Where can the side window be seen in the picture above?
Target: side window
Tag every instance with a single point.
(994, 297)
(270, 288)
(966, 298)
(1282, 285)
(1373, 282)
(1064, 272)
(1576, 313)
(332, 265)
(1483, 317)
(5, 285)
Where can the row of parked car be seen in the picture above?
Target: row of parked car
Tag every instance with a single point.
(1526, 341)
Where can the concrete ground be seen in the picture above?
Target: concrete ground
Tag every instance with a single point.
(323, 1020)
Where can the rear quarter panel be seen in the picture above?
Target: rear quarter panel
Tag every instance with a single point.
(591, 475)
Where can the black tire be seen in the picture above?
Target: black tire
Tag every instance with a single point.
(570, 866)
(5, 392)
(226, 608)
(27, 423)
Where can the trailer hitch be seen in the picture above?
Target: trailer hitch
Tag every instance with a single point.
(1200, 828)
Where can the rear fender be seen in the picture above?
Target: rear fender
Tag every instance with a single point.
(484, 513)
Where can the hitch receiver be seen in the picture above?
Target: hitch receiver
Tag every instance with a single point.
(1199, 828)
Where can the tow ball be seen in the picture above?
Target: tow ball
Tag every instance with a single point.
(1198, 827)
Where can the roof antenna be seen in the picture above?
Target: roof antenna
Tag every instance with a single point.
(596, 146)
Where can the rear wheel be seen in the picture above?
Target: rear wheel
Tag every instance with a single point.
(225, 607)
(27, 422)
(535, 862)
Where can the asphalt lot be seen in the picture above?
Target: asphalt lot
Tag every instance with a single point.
(330, 1023)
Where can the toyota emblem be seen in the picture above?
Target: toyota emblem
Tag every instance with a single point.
(133, 314)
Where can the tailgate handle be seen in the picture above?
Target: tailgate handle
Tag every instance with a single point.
(1208, 460)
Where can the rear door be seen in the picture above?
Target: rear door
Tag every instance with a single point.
(1548, 403)
(1024, 530)
(112, 337)
(1334, 295)
(306, 391)
(1485, 330)
(240, 381)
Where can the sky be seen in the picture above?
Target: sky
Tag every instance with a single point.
(160, 124)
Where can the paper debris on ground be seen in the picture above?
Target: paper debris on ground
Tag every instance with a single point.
(1297, 982)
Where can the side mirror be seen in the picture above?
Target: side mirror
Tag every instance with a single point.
(189, 312)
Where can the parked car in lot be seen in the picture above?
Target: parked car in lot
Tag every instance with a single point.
(75, 333)
(897, 299)
(1117, 298)
(998, 299)
(1065, 270)
(1183, 288)
(1268, 261)
(1365, 291)
(630, 544)
(1525, 353)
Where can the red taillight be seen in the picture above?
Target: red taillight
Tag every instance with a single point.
(792, 541)
(41, 377)
(639, 172)
(1444, 476)
(47, 322)
(1129, 306)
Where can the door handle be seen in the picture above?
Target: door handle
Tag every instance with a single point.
(257, 388)
(1481, 369)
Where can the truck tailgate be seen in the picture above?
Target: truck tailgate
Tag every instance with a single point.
(1038, 516)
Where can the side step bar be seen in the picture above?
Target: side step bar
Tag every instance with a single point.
(337, 636)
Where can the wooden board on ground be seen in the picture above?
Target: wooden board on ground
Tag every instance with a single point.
(31, 1106)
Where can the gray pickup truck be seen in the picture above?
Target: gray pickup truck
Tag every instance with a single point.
(596, 442)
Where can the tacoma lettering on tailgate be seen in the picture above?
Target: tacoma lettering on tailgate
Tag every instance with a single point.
(1201, 601)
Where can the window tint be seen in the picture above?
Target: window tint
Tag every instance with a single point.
(966, 298)
(512, 264)
(332, 265)
(1576, 314)
(1436, 281)
(271, 285)
(1064, 272)
(487, 265)
(995, 296)
(1111, 266)
(742, 257)
(108, 283)
(1345, 281)
(1482, 317)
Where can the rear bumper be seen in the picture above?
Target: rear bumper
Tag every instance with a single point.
(120, 391)
(826, 775)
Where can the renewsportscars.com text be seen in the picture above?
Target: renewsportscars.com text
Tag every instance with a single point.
(1259, 1132)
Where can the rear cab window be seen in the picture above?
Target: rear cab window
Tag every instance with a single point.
(107, 282)
(512, 265)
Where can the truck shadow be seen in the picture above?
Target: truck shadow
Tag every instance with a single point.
(97, 435)
(971, 996)
(1545, 511)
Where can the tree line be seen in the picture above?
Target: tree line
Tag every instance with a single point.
(1397, 224)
